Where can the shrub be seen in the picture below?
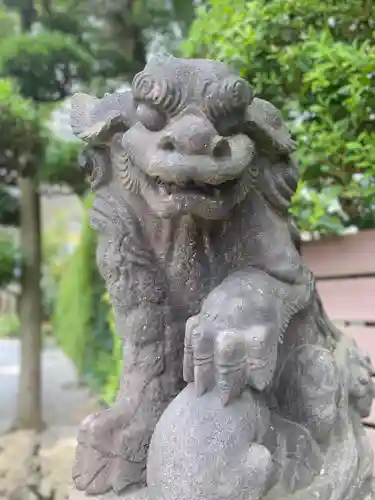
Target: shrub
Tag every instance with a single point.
(9, 257)
(9, 325)
(75, 303)
(316, 61)
(81, 318)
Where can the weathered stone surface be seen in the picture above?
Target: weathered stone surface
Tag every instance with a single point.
(136, 494)
(194, 177)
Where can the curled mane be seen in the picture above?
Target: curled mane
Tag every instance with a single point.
(278, 183)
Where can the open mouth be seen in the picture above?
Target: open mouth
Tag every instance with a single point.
(194, 187)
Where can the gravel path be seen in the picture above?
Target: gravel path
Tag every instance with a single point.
(64, 404)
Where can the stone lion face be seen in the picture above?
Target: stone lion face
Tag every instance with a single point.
(186, 153)
(187, 138)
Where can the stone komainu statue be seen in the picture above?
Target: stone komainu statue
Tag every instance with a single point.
(194, 178)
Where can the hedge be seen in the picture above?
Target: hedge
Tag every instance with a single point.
(81, 316)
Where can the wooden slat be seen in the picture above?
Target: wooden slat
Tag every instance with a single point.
(334, 256)
(349, 299)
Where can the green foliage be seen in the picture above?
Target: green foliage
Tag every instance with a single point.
(115, 367)
(81, 314)
(63, 22)
(56, 243)
(39, 69)
(75, 303)
(22, 134)
(59, 240)
(45, 64)
(119, 33)
(9, 208)
(60, 164)
(8, 23)
(316, 61)
(8, 259)
(9, 326)
(98, 357)
(54, 259)
(338, 157)
(26, 144)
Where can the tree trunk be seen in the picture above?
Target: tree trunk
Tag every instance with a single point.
(29, 411)
(29, 408)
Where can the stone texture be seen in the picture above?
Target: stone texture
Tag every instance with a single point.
(194, 178)
(137, 494)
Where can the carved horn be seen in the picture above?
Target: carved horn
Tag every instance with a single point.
(265, 125)
(96, 121)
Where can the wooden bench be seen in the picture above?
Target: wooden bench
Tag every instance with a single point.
(344, 267)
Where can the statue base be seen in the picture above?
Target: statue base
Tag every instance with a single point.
(136, 494)
(141, 494)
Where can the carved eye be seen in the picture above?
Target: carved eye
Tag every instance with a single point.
(158, 93)
(274, 119)
(151, 118)
(230, 95)
(143, 86)
(94, 162)
(85, 162)
(271, 115)
(237, 91)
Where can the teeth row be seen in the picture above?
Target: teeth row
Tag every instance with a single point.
(171, 187)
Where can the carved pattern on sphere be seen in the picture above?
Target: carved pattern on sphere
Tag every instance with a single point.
(194, 178)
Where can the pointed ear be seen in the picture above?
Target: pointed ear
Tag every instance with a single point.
(264, 124)
(96, 121)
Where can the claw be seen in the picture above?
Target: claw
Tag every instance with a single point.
(204, 376)
(188, 363)
(110, 455)
(203, 340)
(231, 365)
(90, 471)
(231, 384)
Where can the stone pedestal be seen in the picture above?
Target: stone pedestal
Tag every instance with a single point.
(136, 494)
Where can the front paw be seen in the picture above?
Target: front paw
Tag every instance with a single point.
(229, 358)
(105, 457)
(97, 430)
(361, 385)
(91, 470)
(97, 474)
(214, 357)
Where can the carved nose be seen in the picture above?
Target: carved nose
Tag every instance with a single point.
(220, 148)
(194, 136)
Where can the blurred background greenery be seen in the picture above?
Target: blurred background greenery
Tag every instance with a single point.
(315, 60)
